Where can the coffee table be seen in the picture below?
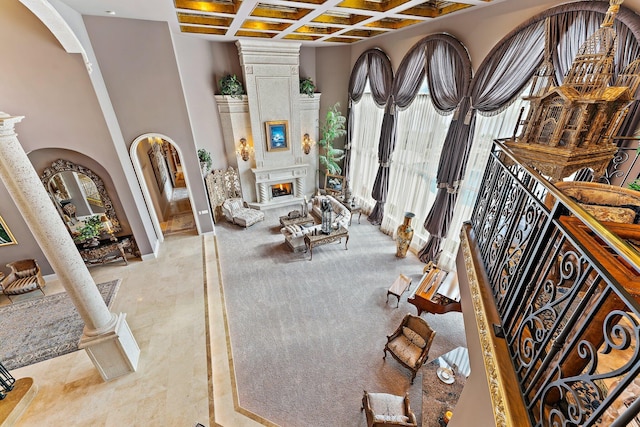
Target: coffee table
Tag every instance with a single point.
(311, 240)
(285, 220)
(401, 284)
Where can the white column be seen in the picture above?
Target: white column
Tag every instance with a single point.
(106, 336)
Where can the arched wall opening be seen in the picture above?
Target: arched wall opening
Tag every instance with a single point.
(158, 163)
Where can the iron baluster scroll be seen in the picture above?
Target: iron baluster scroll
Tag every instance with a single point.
(570, 320)
(6, 381)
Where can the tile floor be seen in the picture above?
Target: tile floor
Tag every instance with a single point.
(174, 308)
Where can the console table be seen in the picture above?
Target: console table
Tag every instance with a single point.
(109, 250)
(311, 240)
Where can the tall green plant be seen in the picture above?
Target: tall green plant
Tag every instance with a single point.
(332, 129)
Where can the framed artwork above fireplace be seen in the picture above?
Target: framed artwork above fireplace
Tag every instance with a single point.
(277, 135)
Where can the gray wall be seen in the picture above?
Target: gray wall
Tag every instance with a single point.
(141, 74)
(52, 88)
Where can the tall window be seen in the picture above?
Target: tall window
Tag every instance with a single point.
(364, 149)
(421, 131)
(487, 129)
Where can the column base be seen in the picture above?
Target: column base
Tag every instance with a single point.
(115, 352)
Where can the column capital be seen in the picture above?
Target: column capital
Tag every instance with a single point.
(7, 123)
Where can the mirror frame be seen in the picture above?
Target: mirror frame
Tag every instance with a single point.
(62, 165)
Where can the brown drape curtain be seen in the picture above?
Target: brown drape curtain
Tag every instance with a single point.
(501, 77)
(446, 62)
(373, 65)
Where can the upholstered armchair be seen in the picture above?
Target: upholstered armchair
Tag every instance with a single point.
(25, 277)
(382, 409)
(236, 211)
(410, 343)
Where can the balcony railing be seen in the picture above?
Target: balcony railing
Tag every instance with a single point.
(565, 290)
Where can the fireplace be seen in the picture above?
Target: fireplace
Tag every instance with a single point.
(281, 189)
(279, 186)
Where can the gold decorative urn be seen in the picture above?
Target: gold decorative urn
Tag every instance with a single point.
(404, 234)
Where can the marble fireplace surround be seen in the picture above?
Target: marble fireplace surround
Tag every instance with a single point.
(266, 177)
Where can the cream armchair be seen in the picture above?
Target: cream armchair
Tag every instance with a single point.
(410, 343)
(382, 409)
(25, 277)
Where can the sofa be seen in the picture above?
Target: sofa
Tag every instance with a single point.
(340, 217)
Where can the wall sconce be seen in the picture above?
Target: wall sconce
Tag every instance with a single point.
(244, 150)
(307, 143)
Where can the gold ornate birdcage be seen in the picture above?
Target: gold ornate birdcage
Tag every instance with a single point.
(573, 126)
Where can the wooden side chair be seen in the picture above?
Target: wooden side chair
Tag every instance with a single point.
(25, 277)
(410, 343)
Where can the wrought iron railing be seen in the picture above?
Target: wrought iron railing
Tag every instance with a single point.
(558, 281)
(623, 169)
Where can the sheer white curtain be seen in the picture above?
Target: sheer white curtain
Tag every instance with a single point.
(421, 131)
(364, 150)
(414, 164)
(487, 129)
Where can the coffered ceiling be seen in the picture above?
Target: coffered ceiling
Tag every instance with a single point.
(315, 22)
(331, 21)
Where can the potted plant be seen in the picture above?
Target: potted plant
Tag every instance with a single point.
(205, 160)
(230, 85)
(333, 128)
(307, 87)
(89, 232)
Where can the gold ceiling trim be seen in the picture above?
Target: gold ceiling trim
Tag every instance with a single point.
(228, 7)
(316, 30)
(340, 18)
(363, 33)
(255, 34)
(376, 6)
(316, 2)
(427, 10)
(392, 23)
(203, 30)
(264, 10)
(251, 24)
(303, 37)
(214, 21)
(343, 40)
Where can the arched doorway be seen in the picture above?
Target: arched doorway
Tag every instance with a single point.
(157, 161)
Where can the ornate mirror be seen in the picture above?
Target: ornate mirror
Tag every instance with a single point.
(78, 193)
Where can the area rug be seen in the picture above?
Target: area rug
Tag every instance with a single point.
(179, 223)
(307, 337)
(43, 328)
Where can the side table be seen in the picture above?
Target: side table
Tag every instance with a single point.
(355, 209)
(401, 284)
(439, 397)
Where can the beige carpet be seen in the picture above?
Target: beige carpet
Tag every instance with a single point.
(307, 336)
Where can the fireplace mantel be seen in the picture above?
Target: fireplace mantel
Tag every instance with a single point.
(265, 177)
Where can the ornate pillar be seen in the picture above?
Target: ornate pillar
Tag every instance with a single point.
(106, 336)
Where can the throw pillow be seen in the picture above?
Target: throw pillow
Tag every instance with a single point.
(391, 419)
(26, 273)
(414, 337)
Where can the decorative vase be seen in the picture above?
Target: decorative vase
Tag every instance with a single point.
(404, 234)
